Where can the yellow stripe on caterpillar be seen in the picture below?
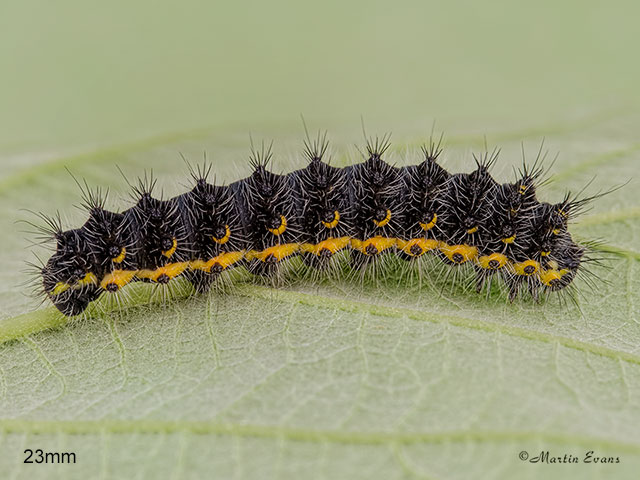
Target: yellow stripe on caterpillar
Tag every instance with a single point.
(60, 287)
(279, 252)
(117, 279)
(493, 261)
(332, 245)
(88, 279)
(373, 245)
(417, 246)
(548, 276)
(224, 260)
(459, 253)
(163, 274)
(526, 268)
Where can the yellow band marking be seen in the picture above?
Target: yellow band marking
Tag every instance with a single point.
(172, 250)
(60, 287)
(455, 253)
(510, 239)
(431, 245)
(548, 276)
(225, 238)
(118, 278)
(409, 246)
(425, 245)
(278, 251)
(493, 261)
(526, 268)
(171, 270)
(331, 244)
(88, 279)
(459, 253)
(120, 257)
(280, 230)
(378, 242)
(334, 222)
(225, 260)
(430, 225)
(472, 230)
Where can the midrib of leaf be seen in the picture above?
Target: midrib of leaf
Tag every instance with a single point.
(305, 435)
(354, 306)
(25, 324)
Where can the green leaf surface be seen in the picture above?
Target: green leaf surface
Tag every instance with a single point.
(400, 376)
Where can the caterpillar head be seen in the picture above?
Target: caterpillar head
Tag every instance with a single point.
(67, 278)
(561, 263)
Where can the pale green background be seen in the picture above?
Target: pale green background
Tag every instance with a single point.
(76, 72)
(395, 380)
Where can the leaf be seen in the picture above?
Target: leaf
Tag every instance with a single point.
(399, 378)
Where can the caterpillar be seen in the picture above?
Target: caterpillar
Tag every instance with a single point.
(367, 210)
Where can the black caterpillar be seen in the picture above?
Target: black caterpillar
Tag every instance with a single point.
(371, 208)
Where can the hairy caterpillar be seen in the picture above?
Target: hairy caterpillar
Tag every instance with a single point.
(369, 209)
